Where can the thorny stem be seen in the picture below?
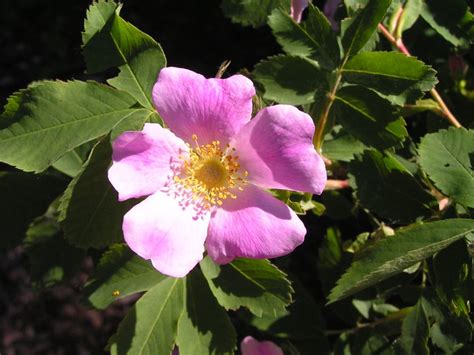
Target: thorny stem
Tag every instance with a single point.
(401, 47)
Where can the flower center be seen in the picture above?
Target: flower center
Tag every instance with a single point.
(211, 174)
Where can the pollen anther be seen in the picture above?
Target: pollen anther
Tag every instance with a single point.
(211, 173)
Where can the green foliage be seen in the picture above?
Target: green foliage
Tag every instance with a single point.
(369, 118)
(301, 321)
(312, 38)
(415, 331)
(453, 20)
(288, 79)
(446, 156)
(448, 332)
(204, 326)
(62, 116)
(357, 93)
(150, 326)
(120, 273)
(24, 197)
(363, 26)
(90, 212)
(452, 277)
(380, 178)
(403, 79)
(392, 255)
(343, 148)
(252, 12)
(411, 13)
(71, 163)
(110, 41)
(255, 284)
(51, 258)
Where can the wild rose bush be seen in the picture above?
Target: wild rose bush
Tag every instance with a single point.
(347, 159)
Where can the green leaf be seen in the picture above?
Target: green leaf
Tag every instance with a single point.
(252, 12)
(447, 158)
(51, 258)
(392, 255)
(421, 106)
(252, 283)
(24, 197)
(150, 326)
(312, 38)
(120, 273)
(343, 148)
(411, 13)
(368, 341)
(452, 20)
(373, 40)
(415, 331)
(110, 41)
(71, 163)
(363, 26)
(288, 79)
(384, 185)
(302, 320)
(204, 327)
(448, 331)
(55, 117)
(90, 212)
(452, 278)
(403, 79)
(369, 118)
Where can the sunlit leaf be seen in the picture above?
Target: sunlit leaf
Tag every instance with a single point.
(150, 325)
(312, 38)
(204, 327)
(392, 255)
(447, 158)
(363, 26)
(110, 41)
(289, 80)
(252, 283)
(55, 117)
(120, 273)
(403, 79)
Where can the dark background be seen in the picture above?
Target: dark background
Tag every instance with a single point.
(42, 40)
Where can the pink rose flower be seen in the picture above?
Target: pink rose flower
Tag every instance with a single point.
(251, 346)
(297, 8)
(205, 176)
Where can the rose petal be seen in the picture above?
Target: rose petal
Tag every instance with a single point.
(142, 160)
(254, 225)
(276, 148)
(212, 109)
(251, 346)
(160, 229)
(297, 8)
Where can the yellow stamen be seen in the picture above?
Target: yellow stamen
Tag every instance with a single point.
(210, 173)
